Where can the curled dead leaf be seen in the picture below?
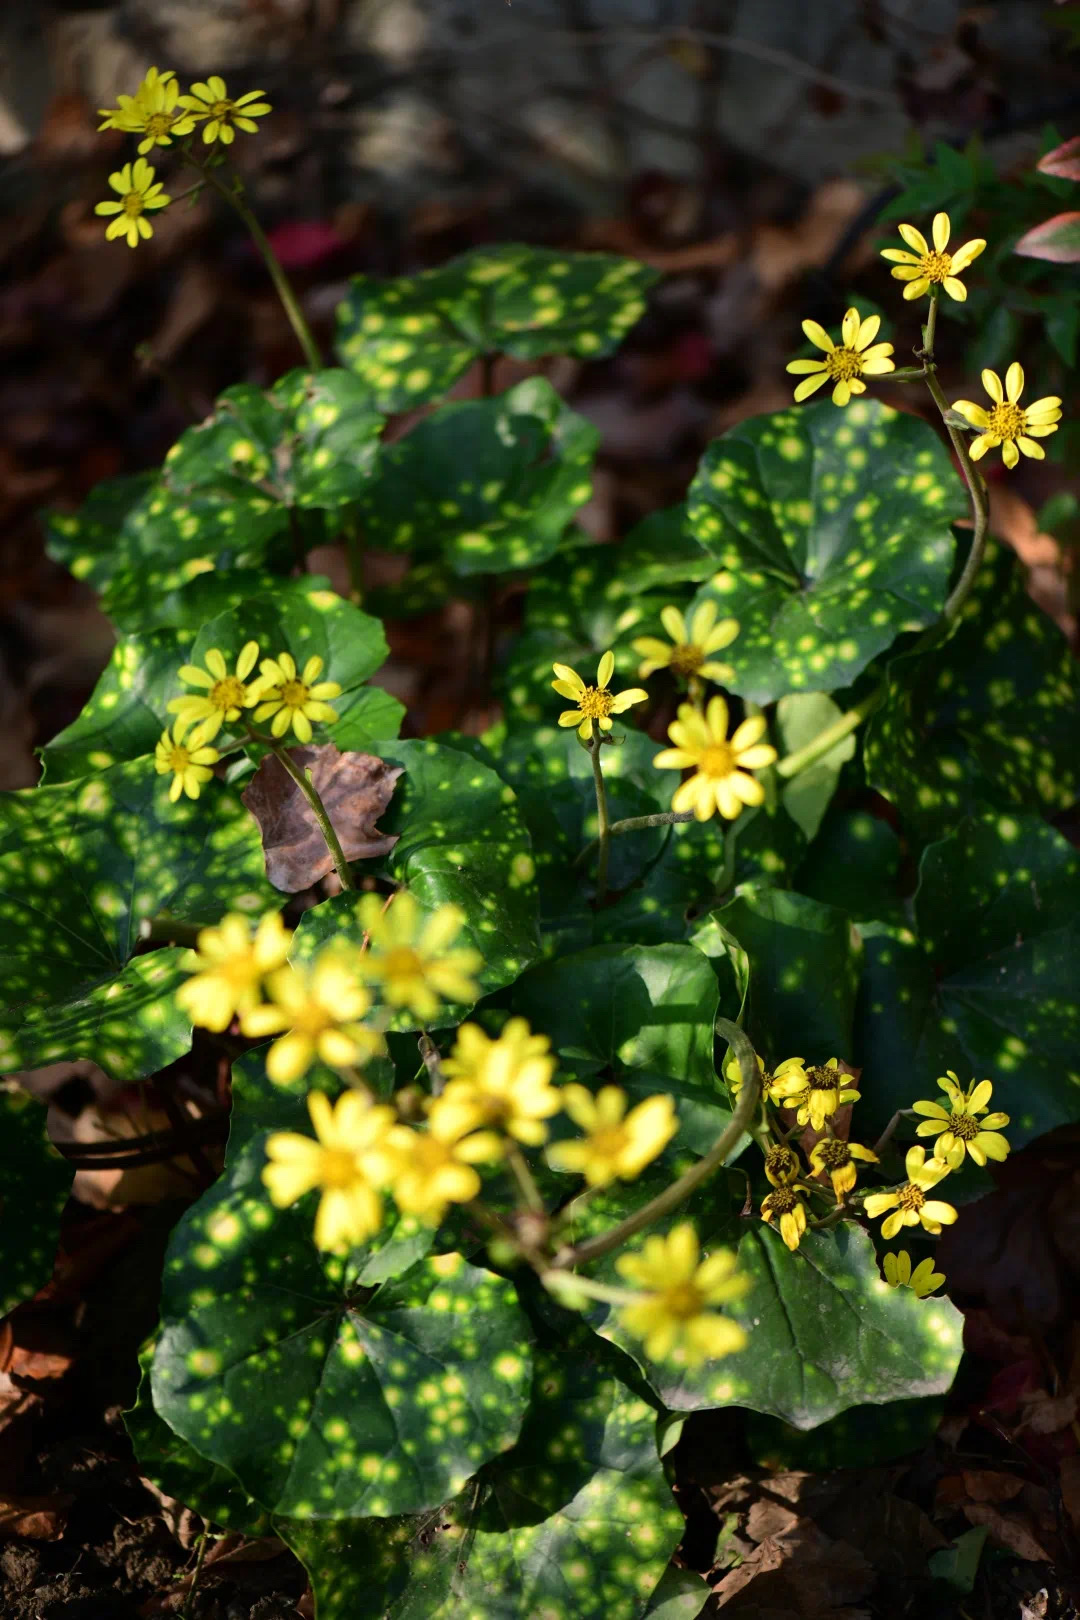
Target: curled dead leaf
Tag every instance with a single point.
(355, 790)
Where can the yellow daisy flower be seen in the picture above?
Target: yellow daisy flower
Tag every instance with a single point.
(1008, 423)
(721, 779)
(958, 1128)
(837, 1159)
(294, 700)
(774, 1082)
(409, 956)
(593, 702)
(928, 267)
(225, 695)
(786, 1208)
(211, 101)
(909, 1204)
(673, 1319)
(922, 1281)
(844, 365)
(151, 112)
(190, 763)
(138, 193)
(228, 968)
(814, 1095)
(319, 1007)
(434, 1167)
(347, 1161)
(616, 1143)
(782, 1165)
(692, 645)
(503, 1084)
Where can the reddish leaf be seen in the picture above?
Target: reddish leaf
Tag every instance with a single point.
(1063, 161)
(355, 790)
(1056, 239)
(37, 1518)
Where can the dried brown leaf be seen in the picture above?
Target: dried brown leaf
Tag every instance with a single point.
(355, 790)
(37, 1518)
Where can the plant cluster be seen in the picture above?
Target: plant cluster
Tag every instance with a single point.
(519, 1168)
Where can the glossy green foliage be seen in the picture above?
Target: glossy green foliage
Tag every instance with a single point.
(326, 1397)
(825, 1332)
(575, 1523)
(832, 533)
(990, 718)
(487, 484)
(84, 866)
(128, 709)
(472, 851)
(232, 494)
(34, 1186)
(986, 984)
(409, 340)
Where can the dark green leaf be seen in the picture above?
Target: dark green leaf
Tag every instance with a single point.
(491, 484)
(82, 866)
(460, 840)
(992, 717)
(803, 973)
(627, 1007)
(825, 1333)
(34, 1186)
(988, 989)
(831, 529)
(577, 1522)
(309, 441)
(326, 1400)
(128, 709)
(862, 1437)
(176, 1468)
(409, 340)
(854, 863)
(800, 718)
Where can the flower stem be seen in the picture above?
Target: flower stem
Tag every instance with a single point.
(603, 823)
(820, 745)
(681, 1189)
(557, 1280)
(661, 818)
(530, 1192)
(234, 196)
(980, 502)
(302, 778)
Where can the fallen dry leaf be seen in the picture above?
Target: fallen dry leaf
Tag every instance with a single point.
(355, 790)
(37, 1518)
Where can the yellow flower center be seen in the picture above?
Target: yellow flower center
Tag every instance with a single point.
(220, 109)
(963, 1126)
(823, 1079)
(843, 364)
(179, 758)
(294, 694)
(717, 761)
(228, 694)
(936, 266)
(911, 1197)
(683, 1300)
(832, 1154)
(402, 962)
(595, 702)
(609, 1142)
(312, 1019)
(1006, 421)
(686, 659)
(337, 1168)
(133, 204)
(782, 1163)
(159, 123)
(783, 1201)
